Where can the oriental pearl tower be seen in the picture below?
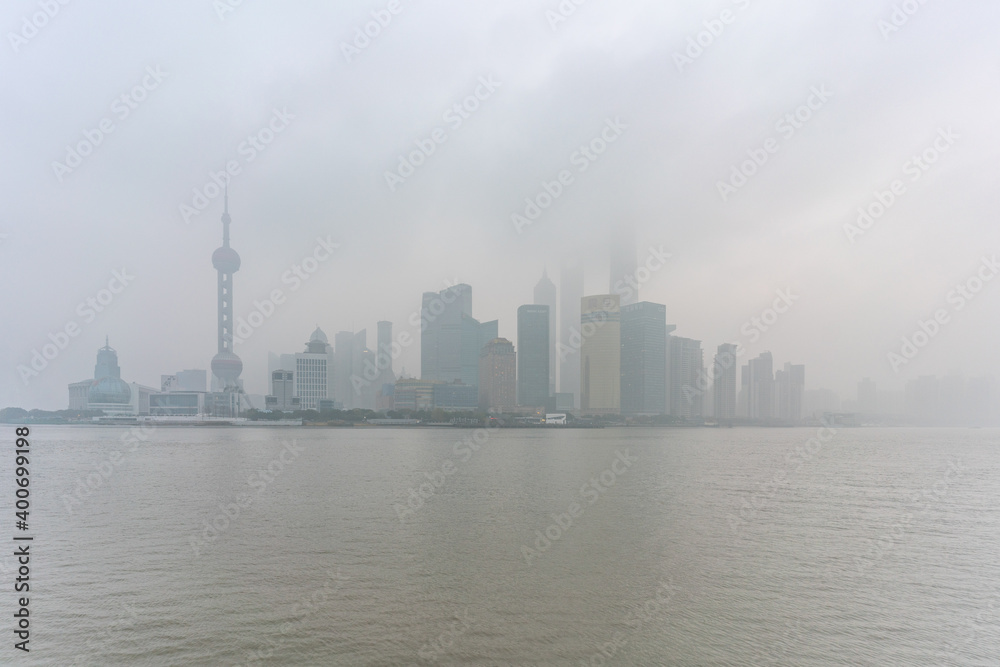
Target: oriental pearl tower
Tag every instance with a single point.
(226, 365)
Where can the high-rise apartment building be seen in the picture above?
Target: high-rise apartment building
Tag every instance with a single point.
(759, 384)
(791, 387)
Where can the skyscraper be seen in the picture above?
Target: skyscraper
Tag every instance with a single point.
(644, 358)
(545, 295)
(475, 335)
(760, 387)
(362, 392)
(383, 352)
(685, 369)
(570, 340)
(624, 264)
(724, 382)
(533, 355)
(497, 375)
(790, 384)
(226, 366)
(441, 332)
(343, 365)
(282, 391)
(600, 354)
(451, 338)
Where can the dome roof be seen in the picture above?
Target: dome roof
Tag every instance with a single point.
(109, 390)
(318, 335)
(226, 259)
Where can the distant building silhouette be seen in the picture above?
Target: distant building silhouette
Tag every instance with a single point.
(623, 266)
(569, 339)
(759, 383)
(867, 397)
(451, 337)
(724, 382)
(685, 368)
(791, 385)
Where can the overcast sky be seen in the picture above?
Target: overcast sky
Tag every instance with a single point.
(208, 78)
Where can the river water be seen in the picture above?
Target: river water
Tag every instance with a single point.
(455, 547)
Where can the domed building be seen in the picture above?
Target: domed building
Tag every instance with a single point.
(108, 388)
(107, 391)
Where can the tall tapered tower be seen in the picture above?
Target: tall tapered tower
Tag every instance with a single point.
(226, 365)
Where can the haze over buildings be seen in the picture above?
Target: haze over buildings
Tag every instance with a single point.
(108, 248)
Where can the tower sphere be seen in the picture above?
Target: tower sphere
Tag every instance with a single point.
(226, 260)
(227, 367)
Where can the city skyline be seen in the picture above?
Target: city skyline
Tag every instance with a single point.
(845, 209)
(695, 383)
